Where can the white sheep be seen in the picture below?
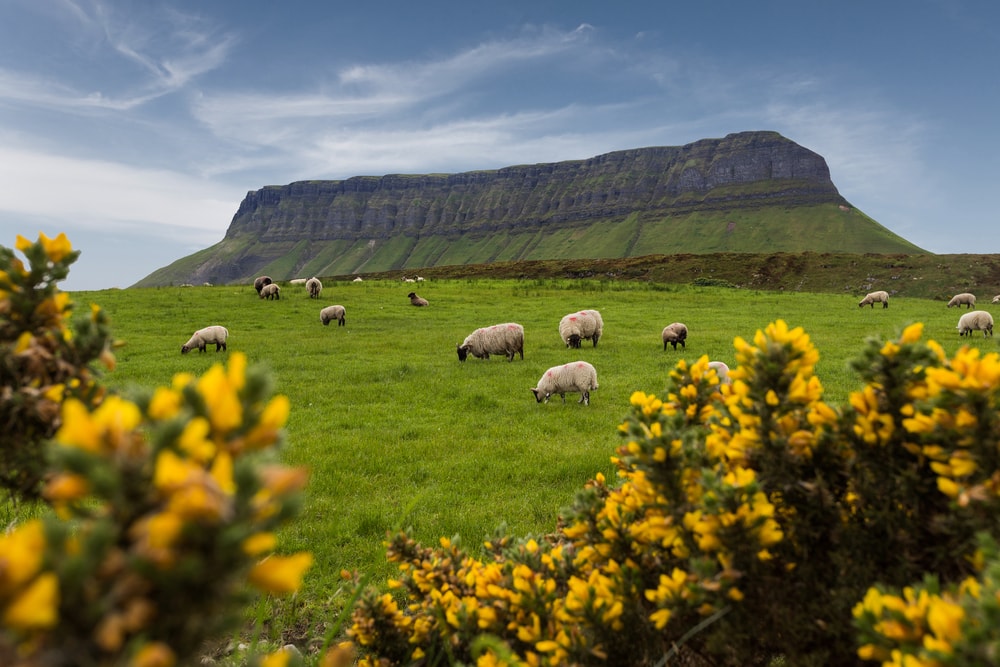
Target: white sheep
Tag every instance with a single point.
(297, 281)
(202, 338)
(359, 279)
(996, 299)
(260, 281)
(875, 297)
(416, 300)
(963, 299)
(506, 339)
(314, 287)
(331, 313)
(722, 370)
(674, 333)
(576, 376)
(576, 327)
(975, 320)
(270, 291)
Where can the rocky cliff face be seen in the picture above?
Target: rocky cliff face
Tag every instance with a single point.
(747, 192)
(739, 170)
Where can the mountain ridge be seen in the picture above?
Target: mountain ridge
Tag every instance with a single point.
(747, 192)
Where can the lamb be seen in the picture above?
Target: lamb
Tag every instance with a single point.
(331, 313)
(963, 299)
(875, 297)
(314, 287)
(506, 339)
(673, 333)
(260, 281)
(576, 376)
(975, 320)
(574, 328)
(202, 338)
(270, 291)
(416, 300)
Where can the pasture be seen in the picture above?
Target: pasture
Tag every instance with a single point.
(397, 432)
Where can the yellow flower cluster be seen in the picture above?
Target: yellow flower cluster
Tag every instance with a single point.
(194, 513)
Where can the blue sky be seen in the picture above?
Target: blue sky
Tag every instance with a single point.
(137, 127)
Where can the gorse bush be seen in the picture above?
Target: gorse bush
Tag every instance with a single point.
(164, 506)
(46, 358)
(748, 523)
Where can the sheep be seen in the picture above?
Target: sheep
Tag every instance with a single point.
(576, 376)
(506, 339)
(270, 291)
(722, 370)
(574, 328)
(297, 281)
(996, 299)
(260, 281)
(673, 333)
(875, 297)
(359, 279)
(594, 333)
(963, 299)
(975, 320)
(417, 300)
(331, 313)
(314, 287)
(202, 338)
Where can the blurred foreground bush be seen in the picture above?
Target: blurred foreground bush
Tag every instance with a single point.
(162, 507)
(748, 525)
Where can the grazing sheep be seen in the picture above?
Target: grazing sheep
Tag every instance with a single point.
(417, 300)
(576, 376)
(506, 339)
(673, 333)
(331, 313)
(996, 299)
(297, 281)
(260, 281)
(314, 287)
(202, 338)
(975, 320)
(963, 299)
(875, 297)
(722, 370)
(576, 327)
(270, 291)
(358, 280)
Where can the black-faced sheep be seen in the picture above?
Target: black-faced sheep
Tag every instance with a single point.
(963, 299)
(976, 320)
(875, 297)
(270, 291)
(416, 300)
(576, 376)
(314, 287)
(202, 338)
(260, 281)
(674, 333)
(331, 313)
(576, 327)
(506, 339)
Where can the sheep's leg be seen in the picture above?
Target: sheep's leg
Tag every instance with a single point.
(584, 397)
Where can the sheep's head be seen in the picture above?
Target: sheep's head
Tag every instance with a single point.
(574, 340)
(539, 395)
(463, 352)
(185, 349)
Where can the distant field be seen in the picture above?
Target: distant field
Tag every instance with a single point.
(397, 432)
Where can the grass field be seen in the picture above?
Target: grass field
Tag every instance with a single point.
(397, 432)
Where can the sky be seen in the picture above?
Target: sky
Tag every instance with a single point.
(138, 126)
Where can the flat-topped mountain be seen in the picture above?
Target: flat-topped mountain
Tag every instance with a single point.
(754, 192)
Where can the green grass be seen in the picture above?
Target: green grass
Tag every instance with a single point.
(397, 432)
